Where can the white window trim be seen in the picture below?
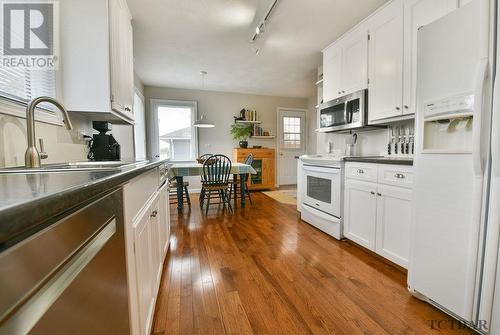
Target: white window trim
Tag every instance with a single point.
(18, 109)
(153, 124)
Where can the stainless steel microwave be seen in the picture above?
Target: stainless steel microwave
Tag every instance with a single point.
(347, 112)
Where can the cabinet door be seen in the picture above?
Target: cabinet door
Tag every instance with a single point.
(360, 211)
(386, 63)
(121, 58)
(393, 223)
(144, 270)
(418, 13)
(156, 243)
(355, 61)
(332, 72)
(268, 172)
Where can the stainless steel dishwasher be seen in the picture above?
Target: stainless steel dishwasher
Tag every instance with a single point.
(69, 278)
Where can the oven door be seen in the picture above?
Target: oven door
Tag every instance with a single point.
(322, 189)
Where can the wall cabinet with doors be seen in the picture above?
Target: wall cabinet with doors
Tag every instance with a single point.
(377, 209)
(390, 55)
(147, 234)
(264, 163)
(393, 55)
(345, 65)
(97, 74)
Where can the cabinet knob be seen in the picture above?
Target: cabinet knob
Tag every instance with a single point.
(373, 193)
(154, 213)
(361, 171)
(128, 109)
(343, 91)
(398, 108)
(406, 107)
(379, 194)
(399, 176)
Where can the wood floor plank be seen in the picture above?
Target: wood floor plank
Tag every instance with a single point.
(264, 271)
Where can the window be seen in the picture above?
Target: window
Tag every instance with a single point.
(292, 132)
(24, 84)
(175, 137)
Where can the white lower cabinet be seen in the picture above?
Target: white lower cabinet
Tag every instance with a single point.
(359, 224)
(147, 233)
(393, 223)
(377, 216)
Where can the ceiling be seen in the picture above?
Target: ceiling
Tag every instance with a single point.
(176, 39)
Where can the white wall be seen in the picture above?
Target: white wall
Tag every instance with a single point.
(220, 107)
(60, 144)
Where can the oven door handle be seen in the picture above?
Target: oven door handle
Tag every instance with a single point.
(321, 169)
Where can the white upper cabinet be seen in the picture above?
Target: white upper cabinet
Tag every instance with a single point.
(97, 58)
(345, 65)
(332, 75)
(386, 62)
(418, 13)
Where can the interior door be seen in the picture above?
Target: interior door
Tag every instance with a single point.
(386, 63)
(291, 143)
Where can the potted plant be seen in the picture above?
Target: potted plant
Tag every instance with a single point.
(241, 132)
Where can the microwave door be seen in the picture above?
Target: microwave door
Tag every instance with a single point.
(333, 116)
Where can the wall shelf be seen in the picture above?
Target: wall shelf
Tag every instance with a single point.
(248, 122)
(263, 137)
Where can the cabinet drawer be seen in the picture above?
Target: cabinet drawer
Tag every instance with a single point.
(396, 175)
(361, 171)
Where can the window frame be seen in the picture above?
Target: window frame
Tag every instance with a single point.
(154, 147)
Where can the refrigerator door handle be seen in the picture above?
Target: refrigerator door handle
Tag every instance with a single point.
(477, 146)
(495, 133)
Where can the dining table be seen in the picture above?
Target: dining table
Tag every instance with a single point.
(178, 171)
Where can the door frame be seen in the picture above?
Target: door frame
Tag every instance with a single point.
(278, 136)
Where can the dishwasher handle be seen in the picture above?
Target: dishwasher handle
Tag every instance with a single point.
(27, 315)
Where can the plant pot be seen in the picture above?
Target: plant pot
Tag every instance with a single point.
(243, 144)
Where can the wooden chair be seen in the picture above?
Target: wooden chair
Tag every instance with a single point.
(203, 158)
(215, 182)
(172, 196)
(235, 184)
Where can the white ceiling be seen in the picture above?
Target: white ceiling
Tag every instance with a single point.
(175, 39)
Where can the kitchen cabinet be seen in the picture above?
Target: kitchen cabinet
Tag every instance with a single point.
(386, 63)
(345, 65)
(100, 82)
(393, 223)
(145, 259)
(360, 212)
(377, 209)
(147, 231)
(418, 13)
(264, 163)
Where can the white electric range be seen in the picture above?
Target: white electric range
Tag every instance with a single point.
(320, 192)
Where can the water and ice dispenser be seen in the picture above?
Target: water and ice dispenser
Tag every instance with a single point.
(448, 124)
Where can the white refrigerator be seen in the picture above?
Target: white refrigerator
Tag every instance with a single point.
(456, 208)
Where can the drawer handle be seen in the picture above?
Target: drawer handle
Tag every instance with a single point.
(154, 213)
(361, 171)
(399, 176)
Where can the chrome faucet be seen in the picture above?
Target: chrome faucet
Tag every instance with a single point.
(32, 156)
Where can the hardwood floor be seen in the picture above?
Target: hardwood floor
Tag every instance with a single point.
(263, 271)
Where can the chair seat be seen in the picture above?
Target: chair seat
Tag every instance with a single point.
(215, 187)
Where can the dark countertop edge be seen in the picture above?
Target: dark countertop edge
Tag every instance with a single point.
(380, 160)
(30, 224)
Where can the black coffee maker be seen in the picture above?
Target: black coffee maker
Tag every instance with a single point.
(103, 147)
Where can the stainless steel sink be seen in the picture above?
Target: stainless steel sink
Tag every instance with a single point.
(71, 167)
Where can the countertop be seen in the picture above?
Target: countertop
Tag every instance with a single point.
(30, 202)
(381, 160)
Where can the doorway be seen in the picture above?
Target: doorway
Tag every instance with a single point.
(291, 143)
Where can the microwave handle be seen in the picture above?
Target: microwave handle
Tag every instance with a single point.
(348, 113)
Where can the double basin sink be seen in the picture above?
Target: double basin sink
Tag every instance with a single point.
(71, 167)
